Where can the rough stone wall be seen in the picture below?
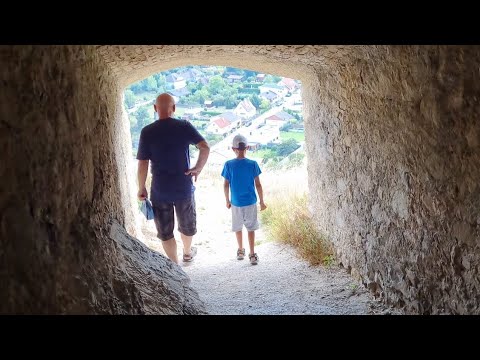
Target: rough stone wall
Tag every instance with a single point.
(130, 63)
(62, 249)
(393, 141)
(393, 147)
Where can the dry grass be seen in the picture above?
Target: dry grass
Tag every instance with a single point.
(287, 220)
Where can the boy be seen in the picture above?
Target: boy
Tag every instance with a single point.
(240, 174)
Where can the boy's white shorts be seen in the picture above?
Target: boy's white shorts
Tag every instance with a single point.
(245, 215)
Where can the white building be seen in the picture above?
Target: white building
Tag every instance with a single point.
(279, 119)
(263, 136)
(281, 91)
(245, 109)
(178, 81)
(223, 123)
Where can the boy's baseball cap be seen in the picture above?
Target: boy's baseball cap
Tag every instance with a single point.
(239, 142)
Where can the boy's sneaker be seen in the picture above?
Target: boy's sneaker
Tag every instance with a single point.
(253, 259)
(240, 254)
(189, 257)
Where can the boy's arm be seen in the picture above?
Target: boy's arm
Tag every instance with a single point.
(226, 190)
(258, 186)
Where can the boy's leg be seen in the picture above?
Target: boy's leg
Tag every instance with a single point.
(239, 235)
(251, 241)
(251, 223)
(237, 226)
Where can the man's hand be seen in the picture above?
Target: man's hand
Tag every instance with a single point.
(142, 194)
(262, 206)
(229, 204)
(194, 172)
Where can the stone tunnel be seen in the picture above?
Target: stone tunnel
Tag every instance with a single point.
(393, 147)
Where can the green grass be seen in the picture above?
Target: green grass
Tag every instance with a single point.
(286, 135)
(259, 154)
(287, 220)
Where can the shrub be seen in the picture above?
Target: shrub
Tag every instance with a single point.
(287, 220)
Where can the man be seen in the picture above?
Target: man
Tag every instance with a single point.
(165, 143)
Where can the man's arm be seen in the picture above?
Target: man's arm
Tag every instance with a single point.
(142, 178)
(226, 190)
(258, 186)
(202, 159)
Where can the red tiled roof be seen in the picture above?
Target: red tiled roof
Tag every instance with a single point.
(222, 123)
(274, 117)
(282, 115)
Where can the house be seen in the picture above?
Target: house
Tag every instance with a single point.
(194, 113)
(260, 77)
(219, 126)
(234, 79)
(281, 91)
(178, 81)
(297, 99)
(245, 109)
(179, 92)
(192, 75)
(279, 119)
(263, 135)
(208, 104)
(223, 123)
(269, 96)
(290, 84)
(232, 117)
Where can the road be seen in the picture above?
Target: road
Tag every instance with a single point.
(129, 111)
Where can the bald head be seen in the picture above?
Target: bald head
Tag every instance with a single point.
(164, 106)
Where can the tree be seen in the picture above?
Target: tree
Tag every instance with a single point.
(265, 105)
(149, 84)
(287, 147)
(231, 102)
(160, 79)
(216, 84)
(136, 87)
(272, 79)
(129, 98)
(200, 96)
(192, 87)
(255, 100)
(133, 122)
(218, 100)
(143, 117)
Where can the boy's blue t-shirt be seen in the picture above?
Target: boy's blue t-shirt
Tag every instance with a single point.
(241, 174)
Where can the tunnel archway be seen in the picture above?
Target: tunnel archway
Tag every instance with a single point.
(393, 153)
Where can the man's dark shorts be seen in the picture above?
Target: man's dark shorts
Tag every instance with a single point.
(165, 221)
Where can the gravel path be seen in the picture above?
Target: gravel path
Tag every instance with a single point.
(281, 283)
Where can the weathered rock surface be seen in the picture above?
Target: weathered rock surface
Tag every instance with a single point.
(393, 142)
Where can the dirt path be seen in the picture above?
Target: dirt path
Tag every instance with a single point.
(281, 283)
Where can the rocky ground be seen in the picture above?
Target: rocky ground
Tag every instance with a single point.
(282, 283)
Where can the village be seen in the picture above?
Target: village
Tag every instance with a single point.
(221, 102)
